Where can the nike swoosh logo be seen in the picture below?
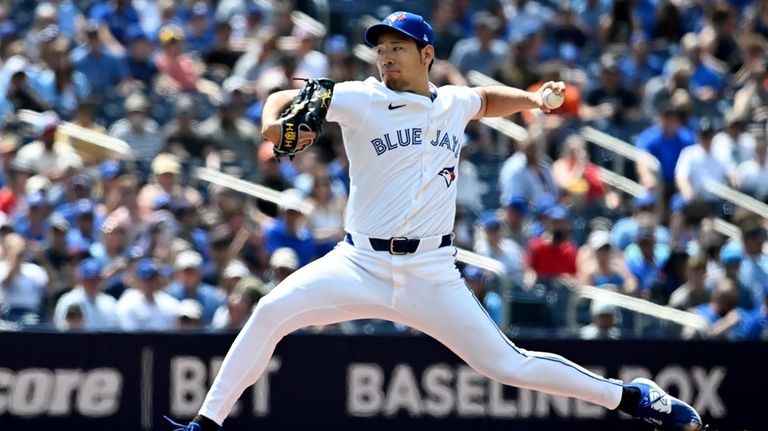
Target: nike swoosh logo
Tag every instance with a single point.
(395, 106)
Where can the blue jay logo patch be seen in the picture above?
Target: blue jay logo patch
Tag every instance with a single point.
(448, 174)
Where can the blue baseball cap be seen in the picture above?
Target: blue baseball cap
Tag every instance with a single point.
(677, 203)
(518, 203)
(36, 200)
(544, 202)
(84, 207)
(162, 200)
(409, 24)
(646, 200)
(472, 272)
(490, 220)
(89, 269)
(731, 255)
(110, 169)
(146, 269)
(558, 212)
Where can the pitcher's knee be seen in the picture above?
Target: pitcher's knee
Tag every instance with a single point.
(271, 312)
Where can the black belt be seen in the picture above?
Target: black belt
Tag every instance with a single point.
(399, 244)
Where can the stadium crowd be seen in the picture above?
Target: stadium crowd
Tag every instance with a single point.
(95, 239)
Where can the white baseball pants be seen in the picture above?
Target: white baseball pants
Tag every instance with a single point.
(422, 290)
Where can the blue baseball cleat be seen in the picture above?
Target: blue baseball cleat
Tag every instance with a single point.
(193, 426)
(662, 410)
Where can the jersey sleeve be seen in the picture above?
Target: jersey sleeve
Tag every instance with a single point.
(349, 101)
(466, 99)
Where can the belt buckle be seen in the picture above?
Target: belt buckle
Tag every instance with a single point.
(392, 245)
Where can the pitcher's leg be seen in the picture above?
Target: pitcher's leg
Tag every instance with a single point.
(452, 315)
(329, 290)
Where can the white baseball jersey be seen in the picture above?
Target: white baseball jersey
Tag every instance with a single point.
(403, 151)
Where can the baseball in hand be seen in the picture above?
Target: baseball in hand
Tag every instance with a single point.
(551, 99)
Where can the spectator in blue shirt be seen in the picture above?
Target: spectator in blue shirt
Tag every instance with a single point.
(199, 32)
(645, 261)
(139, 59)
(287, 229)
(32, 225)
(87, 224)
(754, 268)
(114, 17)
(105, 71)
(491, 301)
(643, 208)
(188, 284)
(665, 141)
(727, 320)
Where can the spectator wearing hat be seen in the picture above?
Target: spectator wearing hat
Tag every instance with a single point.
(601, 266)
(643, 211)
(166, 172)
(697, 165)
(553, 255)
(752, 174)
(139, 57)
(190, 315)
(646, 260)
(179, 71)
(694, 291)
(610, 106)
(288, 229)
(664, 141)
(484, 50)
(527, 172)
(233, 315)
(490, 300)
(87, 224)
(23, 284)
(46, 155)
(283, 262)
(137, 129)
(603, 326)
(188, 285)
(514, 213)
(199, 31)
(97, 307)
(105, 70)
(114, 18)
(147, 307)
(235, 271)
(491, 242)
(31, 224)
(56, 253)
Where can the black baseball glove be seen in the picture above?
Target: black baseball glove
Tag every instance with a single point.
(305, 114)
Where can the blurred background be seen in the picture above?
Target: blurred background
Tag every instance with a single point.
(637, 210)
